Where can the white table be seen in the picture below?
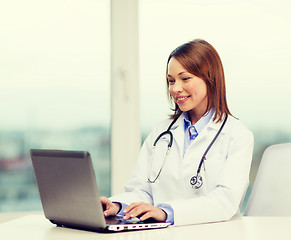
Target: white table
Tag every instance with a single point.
(247, 228)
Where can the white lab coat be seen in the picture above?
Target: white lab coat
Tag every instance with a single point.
(225, 178)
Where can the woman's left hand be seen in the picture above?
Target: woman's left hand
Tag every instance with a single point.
(144, 211)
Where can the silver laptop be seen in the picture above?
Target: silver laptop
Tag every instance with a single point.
(69, 193)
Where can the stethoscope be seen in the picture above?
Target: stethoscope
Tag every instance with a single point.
(196, 181)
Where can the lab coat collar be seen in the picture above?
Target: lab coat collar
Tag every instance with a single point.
(211, 124)
(216, 125)
(201, 123)
(178, 131)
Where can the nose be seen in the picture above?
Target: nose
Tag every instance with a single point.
(177, 87)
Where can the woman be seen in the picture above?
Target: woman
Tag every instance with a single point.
(206, 172)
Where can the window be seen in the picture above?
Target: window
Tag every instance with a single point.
(55, 89)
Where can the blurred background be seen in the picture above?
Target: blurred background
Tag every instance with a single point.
(55, 89)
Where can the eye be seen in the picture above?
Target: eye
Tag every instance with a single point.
(186, 78)
(171, 82)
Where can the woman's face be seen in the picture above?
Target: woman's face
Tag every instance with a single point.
(188, 91)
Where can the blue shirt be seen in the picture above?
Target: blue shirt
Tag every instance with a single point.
(190, 133)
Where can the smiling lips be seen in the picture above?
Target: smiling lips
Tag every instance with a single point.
(182, 99)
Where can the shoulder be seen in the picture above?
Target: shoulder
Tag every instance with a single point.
(159, 128)
(164, 124)
(236, 129)
(234, 123)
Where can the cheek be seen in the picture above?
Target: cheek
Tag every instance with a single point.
(170, 89)
(199, 90)
(192, 89)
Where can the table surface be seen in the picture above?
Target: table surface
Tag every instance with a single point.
(36, 226)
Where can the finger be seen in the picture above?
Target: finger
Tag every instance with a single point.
(138, 210)
(156, 213)
(131, 207)
(108, 206)
(146, 216)
(105, 202)
(109, 212)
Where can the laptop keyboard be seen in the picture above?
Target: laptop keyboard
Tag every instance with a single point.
(118, 219)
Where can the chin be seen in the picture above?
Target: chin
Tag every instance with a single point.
(183, 109)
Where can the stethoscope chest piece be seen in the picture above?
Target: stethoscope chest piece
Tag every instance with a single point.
(196, 181)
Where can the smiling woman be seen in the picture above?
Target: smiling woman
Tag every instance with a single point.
(202, 126)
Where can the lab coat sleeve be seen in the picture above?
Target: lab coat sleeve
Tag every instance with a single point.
(223, 202)
(137, 189)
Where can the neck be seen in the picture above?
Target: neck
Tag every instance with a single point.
(194, 116)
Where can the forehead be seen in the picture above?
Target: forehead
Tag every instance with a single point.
(175, 67)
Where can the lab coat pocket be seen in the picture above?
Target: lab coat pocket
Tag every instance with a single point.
(213, 166)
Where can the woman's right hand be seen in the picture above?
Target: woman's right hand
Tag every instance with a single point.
(109, 208)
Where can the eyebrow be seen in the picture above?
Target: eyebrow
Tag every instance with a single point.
(178, 74)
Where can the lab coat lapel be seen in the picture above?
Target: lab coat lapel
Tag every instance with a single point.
(207, 134)
(215, 126)
(210, 130)
(178, 134)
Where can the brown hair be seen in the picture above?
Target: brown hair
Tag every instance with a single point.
(200, 58)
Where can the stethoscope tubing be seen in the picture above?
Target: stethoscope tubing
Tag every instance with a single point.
(203, 158)
(194, 180)
(167, 132)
